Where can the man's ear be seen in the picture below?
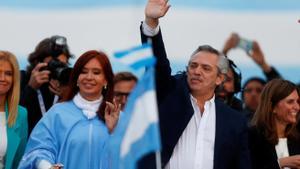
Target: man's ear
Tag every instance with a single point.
(220, 79)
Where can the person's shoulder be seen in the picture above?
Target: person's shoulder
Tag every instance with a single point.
(230, 113)
(180, 75)
(21, 115)
(22, 112)
(24, 75)
(62, 106)
(255, 131)
(63, 109)
(225, 108)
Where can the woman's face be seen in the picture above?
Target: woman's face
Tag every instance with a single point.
(287, 109)
(91, 80)
(6, 77)
(252, 93)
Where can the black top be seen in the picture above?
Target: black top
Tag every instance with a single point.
(29, 99)
(263, 153)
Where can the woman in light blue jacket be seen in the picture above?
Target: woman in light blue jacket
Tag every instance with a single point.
(74, 132)
(13, 118)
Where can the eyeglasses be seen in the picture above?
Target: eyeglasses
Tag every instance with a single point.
(121, 94)
(249, 90)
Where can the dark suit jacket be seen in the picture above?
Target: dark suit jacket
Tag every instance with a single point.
(29, 99)
(263, 153)
(175, 112)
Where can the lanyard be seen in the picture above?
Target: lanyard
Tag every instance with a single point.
(41, 101)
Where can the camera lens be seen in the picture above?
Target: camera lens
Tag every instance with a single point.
(59, 71)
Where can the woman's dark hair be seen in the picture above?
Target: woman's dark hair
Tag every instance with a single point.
(107, 92)
(53, 46)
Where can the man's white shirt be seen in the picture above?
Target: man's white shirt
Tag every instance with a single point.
(195, 147)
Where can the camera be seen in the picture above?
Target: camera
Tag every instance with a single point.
(59, 71)
(58, 45)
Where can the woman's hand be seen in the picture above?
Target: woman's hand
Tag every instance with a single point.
(291, 161)
(112, 112)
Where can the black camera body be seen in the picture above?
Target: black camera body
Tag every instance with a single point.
(59, 71)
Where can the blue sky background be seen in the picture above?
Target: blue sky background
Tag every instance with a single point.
(283, 6)
(215, 4)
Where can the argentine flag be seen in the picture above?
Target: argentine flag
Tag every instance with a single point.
(137, 57)
(137, 132)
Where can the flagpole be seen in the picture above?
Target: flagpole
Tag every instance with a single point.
(158, 160)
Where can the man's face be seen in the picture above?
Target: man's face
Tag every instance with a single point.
(202, 73)
(252, 93)
(121, 90)
(227, 86)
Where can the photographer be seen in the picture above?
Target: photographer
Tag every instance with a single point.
(40, 86)
(231, 86)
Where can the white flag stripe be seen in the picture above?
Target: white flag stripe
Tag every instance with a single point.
(143, 115)
(136, 56)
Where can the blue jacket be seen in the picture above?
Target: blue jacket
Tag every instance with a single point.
(16, 138)
(65, 135)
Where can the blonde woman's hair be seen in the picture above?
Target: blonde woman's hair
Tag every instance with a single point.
(13, 95)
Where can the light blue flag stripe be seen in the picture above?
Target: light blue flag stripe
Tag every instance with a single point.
(136, 150)
(125, 53)
(143, 63)
(208, 4)
(149, 141)
(136, 57)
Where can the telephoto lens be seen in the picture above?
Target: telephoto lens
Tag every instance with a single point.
(59, 71)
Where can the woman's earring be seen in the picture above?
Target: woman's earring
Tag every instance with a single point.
(105, 87)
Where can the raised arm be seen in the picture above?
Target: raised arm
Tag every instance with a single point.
(258, 57)
(154, 10)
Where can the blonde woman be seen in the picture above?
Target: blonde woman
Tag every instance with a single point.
(13, 118)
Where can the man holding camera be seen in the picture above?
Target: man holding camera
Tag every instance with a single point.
(40, 86)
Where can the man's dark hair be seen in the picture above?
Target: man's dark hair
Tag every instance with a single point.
(124, 76)
(252, 79)
(53, 46)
